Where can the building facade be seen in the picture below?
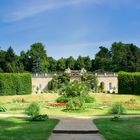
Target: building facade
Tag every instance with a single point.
(108, 81)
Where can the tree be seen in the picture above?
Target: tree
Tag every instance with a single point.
(38, 58)
(103, 61)
(80, 63)
(2, 61)
(10, 55)
(61, 64)
(126, 57)
(25, 61)
(103, 53)
(12, 62)
(87, 63)
(92, 65)
(70, 63)
(52, 64)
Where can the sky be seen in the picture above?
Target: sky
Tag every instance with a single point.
(68, 27)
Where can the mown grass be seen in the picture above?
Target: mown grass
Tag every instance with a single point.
(17, 104)
(22, 129)
(124, 129)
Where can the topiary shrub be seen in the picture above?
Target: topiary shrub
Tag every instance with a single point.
(15, 84)
(33, 109)
(128, 83)
(117, 108)
(40, 118)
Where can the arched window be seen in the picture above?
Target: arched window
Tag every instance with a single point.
(110, 86)
(102, 86)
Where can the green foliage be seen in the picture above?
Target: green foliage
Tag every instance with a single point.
(121, 57)
(75, 103)
(61, 64)
(89, 99)
(2, 109)
(129, 83)
(62, 99)
(80, 63)
(117, 108)
(70, 63)
(52, 64)
(126, 57)
(18, 100)
(1, 70)
(91, 81)
(40, 118)
(103, 60)
(115, 118)
(58, 81)
(33, 109)
(38, 58)
(15, 84)
(75, 89)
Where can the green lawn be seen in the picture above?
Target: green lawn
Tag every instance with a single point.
(125, 129)
(21, 129)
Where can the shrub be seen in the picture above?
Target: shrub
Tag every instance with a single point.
(117, 108)
(40, 118)
(75, 104)
(33, 109)
(91, 81)
(62, 99)
(129, 83)
(75, 89)
(2, 109)
(19, 100)
(115, 118)
(89, 99)
(15, 84)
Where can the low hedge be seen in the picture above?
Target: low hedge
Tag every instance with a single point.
(129, 83)
(15, 84)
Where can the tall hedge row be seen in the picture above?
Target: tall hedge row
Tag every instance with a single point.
(129, 83)
(15, 84)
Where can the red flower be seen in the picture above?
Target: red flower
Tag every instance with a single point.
(58, 104)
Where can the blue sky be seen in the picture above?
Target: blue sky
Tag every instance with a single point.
(68, 27)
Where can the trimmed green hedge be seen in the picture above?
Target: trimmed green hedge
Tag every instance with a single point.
(129, 83)
(15, 84)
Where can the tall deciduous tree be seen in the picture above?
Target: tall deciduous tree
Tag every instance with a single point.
(126, 57)
(80, 63)
(87, 63)
(38, 57)
(61, 64)
(70, 63)
(103, 60)
(52, 64)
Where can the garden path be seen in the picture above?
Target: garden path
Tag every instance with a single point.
(76, 129)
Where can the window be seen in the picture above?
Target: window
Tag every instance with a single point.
(110, 86)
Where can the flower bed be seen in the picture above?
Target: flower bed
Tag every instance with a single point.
(58, 104)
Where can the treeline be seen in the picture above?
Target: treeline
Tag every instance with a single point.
(120, 57)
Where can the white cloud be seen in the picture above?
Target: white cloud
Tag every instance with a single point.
(29, 8)
(33, 7)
